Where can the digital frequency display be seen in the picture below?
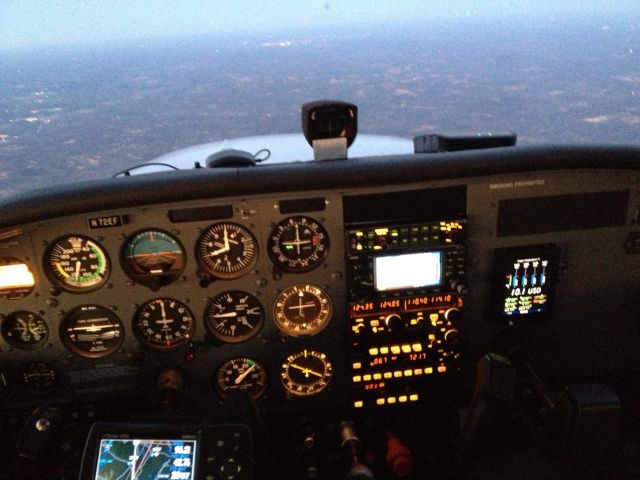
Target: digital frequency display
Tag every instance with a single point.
(525, 280)
(412, 270)
(141, 459)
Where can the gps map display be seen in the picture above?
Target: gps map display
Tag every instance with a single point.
(146, 459)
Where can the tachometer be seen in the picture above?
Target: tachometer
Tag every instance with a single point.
(227, 250)
(77, 263)
(164, 324)
(153, 258)
(92, 331)
(306, 373)
(298, 244)
(302, 310)
(234, 316)
(241, 374)
(24, 330)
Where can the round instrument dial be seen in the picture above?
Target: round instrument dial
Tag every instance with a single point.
(92, 331)
(77, 263)
(298, 244)
(153, 258)
(306, 373)
(227, 250)
(241, 374)
(302, 310)
(234, 316)
(24, 330)
(164, 324)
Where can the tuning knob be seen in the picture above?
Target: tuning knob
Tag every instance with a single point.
(394, 322)
(452, 336)
(452, 315)
(459, 286)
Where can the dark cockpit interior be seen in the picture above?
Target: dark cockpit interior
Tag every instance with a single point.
(458, 314)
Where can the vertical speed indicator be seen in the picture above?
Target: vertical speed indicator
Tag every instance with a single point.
(234, 316)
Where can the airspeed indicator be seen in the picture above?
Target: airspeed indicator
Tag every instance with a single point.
(77, 263)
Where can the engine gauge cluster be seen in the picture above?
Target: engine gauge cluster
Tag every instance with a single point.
(24, 330)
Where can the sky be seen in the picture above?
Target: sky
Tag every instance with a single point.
(37, 23)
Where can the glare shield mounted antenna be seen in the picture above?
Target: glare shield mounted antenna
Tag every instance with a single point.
(330, 127)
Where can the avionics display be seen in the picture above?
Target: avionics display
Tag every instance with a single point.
(167, 451)
(412, 270)
(525, 280)
(139, 459)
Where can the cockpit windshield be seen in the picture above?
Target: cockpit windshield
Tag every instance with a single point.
(92, 88)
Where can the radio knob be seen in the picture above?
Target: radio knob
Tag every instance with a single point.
(452, 336)
(453, 315)
(459, 286)
(394, 322)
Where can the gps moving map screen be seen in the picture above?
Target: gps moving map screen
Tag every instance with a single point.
(146, 459)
